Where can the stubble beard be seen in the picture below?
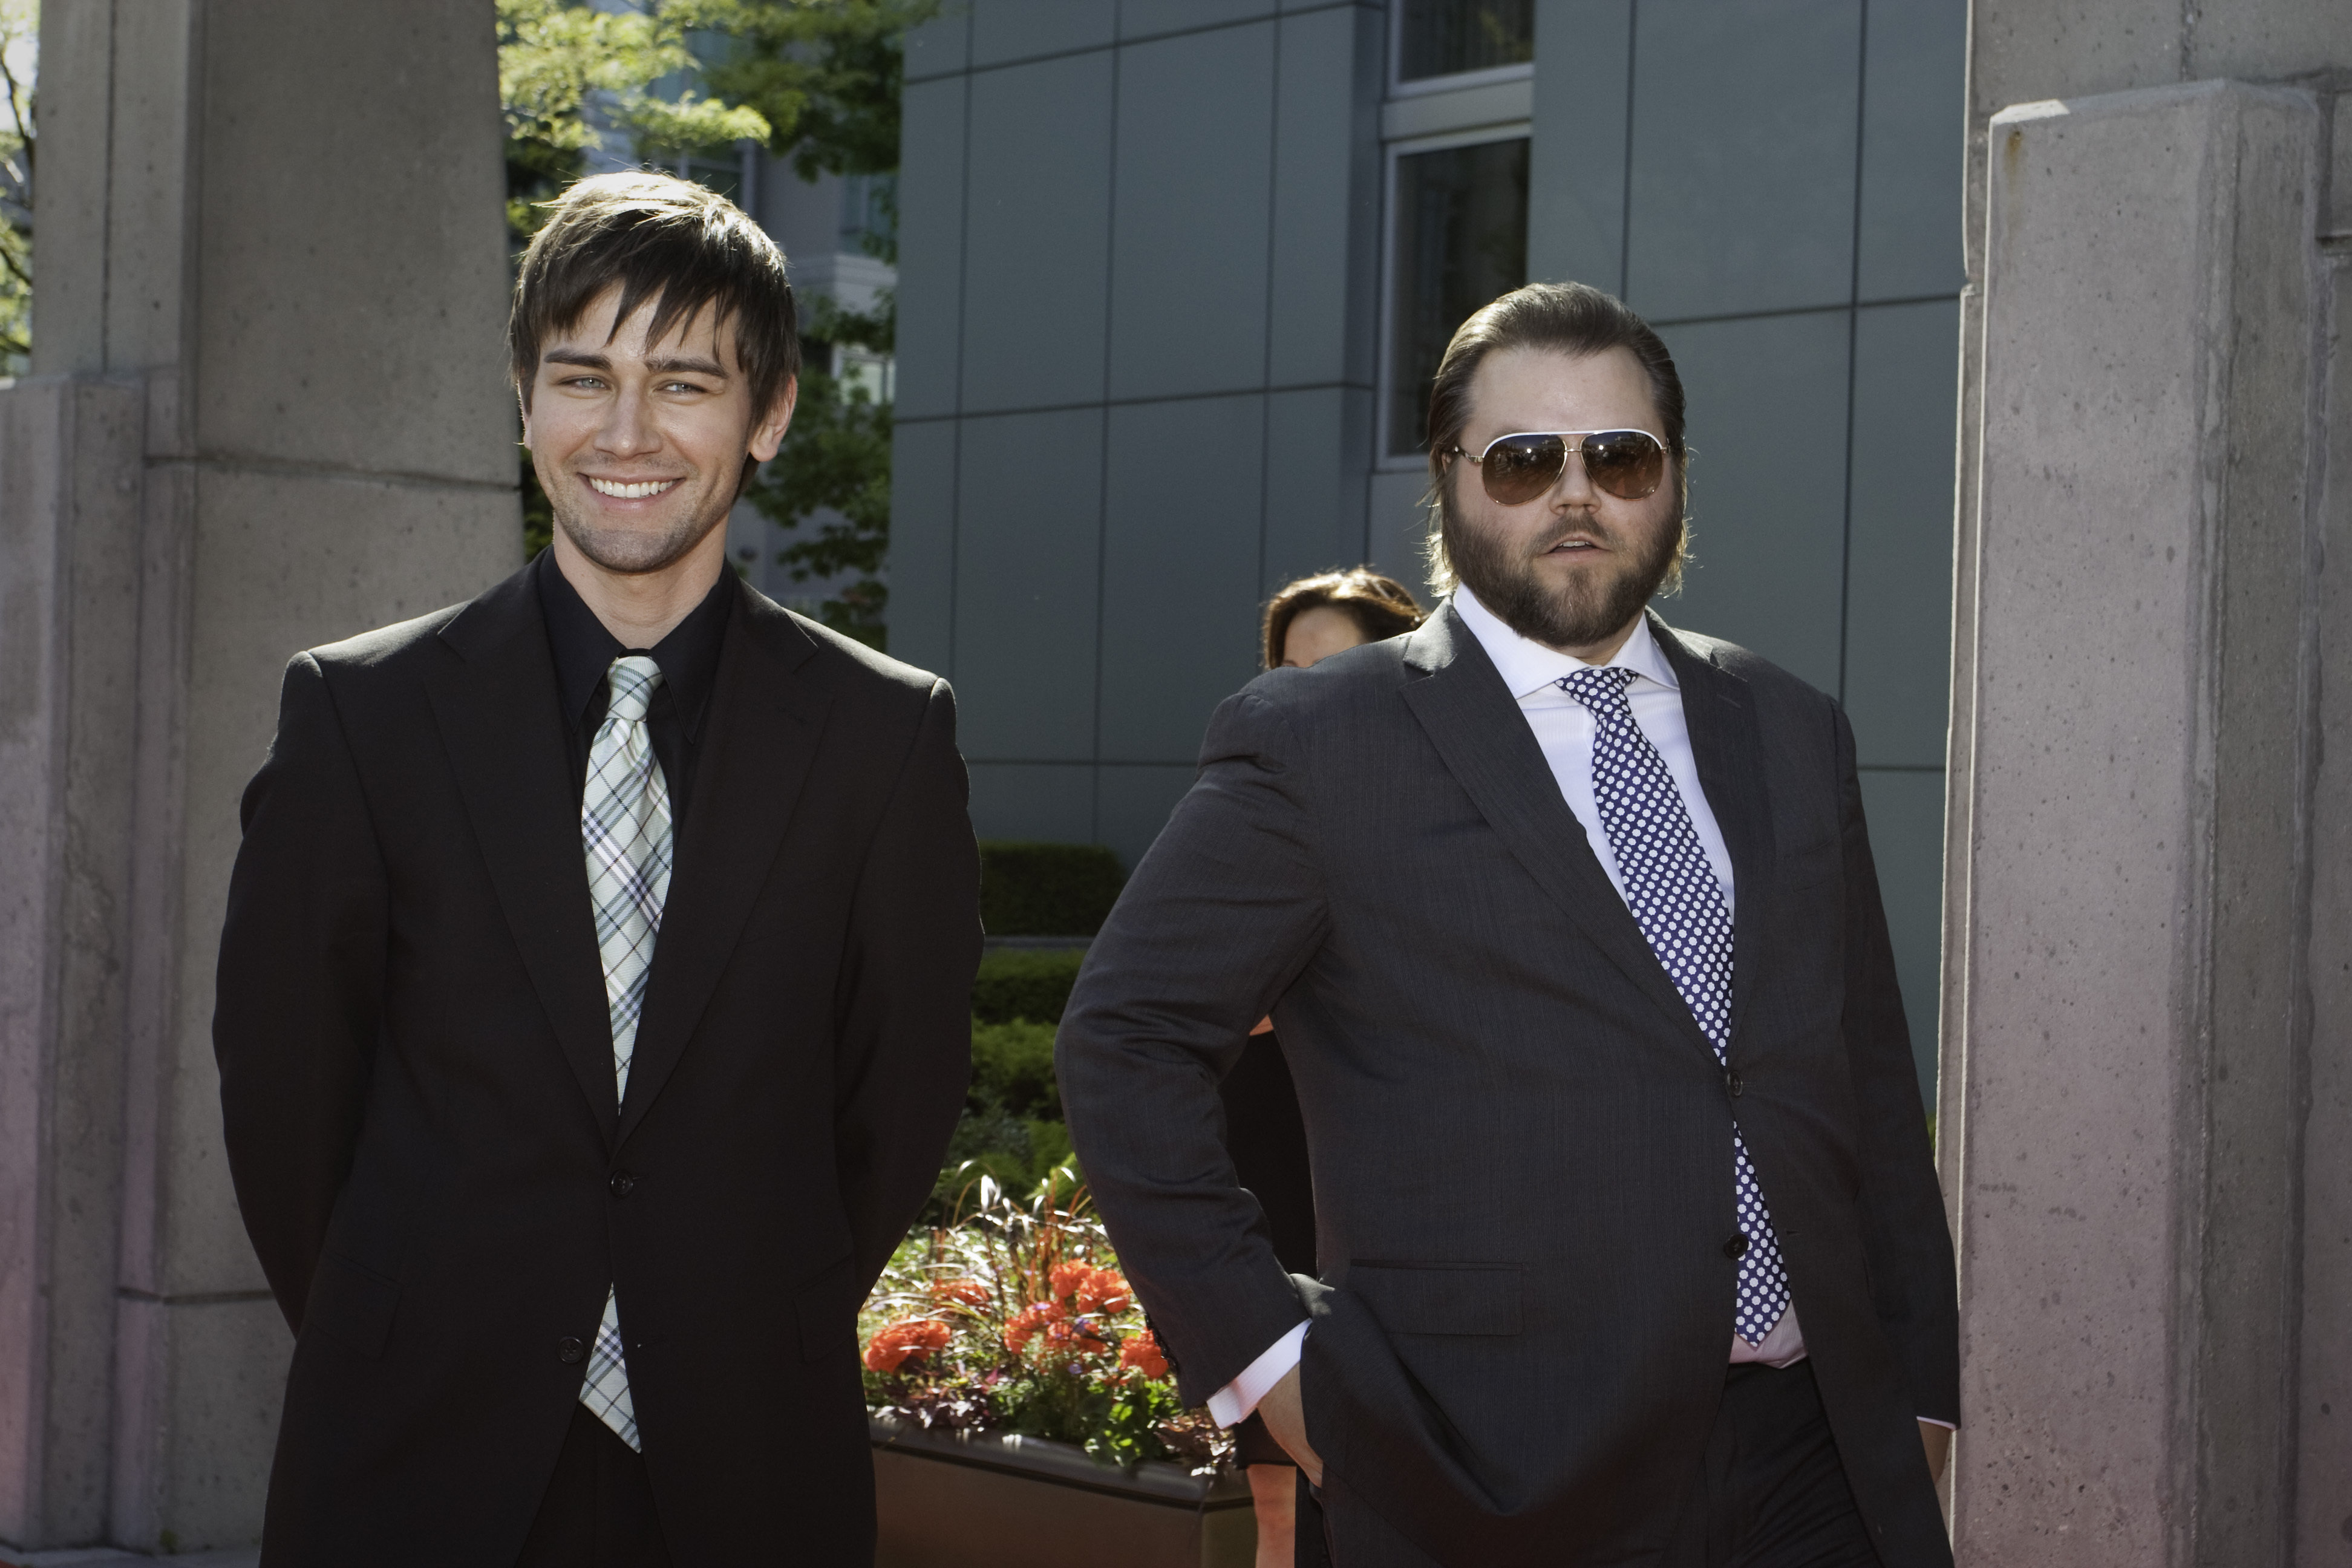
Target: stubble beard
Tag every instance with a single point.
(632, 553)
(1588, 608)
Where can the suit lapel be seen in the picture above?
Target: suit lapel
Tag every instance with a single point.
(1487, 745)
(499, 715)
(759, 741)
(1730, 750)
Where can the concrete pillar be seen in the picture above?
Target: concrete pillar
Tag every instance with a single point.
(269, 412)
(2324, 1413)
(2146, 1111)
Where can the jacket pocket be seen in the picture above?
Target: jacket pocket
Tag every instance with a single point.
(352, 1305)
(1443, 1297)
(827, 1311)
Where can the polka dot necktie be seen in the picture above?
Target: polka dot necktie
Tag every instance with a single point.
(625, 830)
(1679, 906)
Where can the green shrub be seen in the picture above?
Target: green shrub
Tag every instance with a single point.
(1047, 889)
(1023, 983)
(1012, 1127)
(1012, 1069)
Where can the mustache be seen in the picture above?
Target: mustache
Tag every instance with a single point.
(1590, 528)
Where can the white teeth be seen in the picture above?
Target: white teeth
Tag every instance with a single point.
(630, 492)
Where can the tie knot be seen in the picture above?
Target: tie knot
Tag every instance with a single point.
(1602, 691)
(633, 680)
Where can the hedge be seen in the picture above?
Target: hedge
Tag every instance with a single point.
(1047, 889)
(1023, 983)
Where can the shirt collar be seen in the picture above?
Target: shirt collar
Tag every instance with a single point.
(584, 650)
(1527, 667)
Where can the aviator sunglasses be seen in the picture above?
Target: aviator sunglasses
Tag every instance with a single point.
(1627, 464)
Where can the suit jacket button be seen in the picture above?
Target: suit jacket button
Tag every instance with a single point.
(1736, 1247)
(1731, 1083)
(569, 1351)
(622, 1183)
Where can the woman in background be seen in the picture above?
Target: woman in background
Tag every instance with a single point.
(1308, 620)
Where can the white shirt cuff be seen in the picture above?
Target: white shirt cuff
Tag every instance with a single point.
(1931, 1421)
(1231, 1406)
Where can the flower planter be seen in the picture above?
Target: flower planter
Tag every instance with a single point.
(962, 1500)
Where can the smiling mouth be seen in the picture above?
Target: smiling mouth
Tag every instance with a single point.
(620, 491)
(1569, 546)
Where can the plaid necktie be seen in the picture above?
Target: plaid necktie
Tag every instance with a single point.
(1679, 906)
(624, 827)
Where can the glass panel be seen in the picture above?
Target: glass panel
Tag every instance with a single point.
(726, 178)
(1446, 38)
(1461, 241)
(869, 213)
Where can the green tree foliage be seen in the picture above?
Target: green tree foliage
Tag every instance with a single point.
(20, 26)
(835, 459)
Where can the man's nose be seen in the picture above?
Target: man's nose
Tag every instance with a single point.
(1573, 489)
(627, 431)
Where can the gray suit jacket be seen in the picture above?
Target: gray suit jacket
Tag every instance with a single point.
(1520, 1138)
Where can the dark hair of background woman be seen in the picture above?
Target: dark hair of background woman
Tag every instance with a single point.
(1381, 606)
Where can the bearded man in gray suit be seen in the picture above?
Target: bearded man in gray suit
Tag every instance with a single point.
(1570, 928)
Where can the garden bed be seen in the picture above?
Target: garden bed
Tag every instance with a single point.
(968, 1499)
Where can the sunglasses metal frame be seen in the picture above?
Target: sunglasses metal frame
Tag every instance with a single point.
(1566, 446)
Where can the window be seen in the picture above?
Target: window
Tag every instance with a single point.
(1456, 37)
(869, 213)
(726, 177)
(1458, 237)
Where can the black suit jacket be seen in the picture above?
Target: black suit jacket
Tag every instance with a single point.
(1520, 1139)
(416, 1076)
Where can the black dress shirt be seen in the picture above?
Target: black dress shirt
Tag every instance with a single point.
(584, 651)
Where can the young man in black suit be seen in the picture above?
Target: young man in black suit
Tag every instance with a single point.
(593, 1002)
(1630, 1241)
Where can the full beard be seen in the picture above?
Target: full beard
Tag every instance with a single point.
(1588, 608)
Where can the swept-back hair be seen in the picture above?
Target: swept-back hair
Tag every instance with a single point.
(666, 239)
(1381, 606)
(1573, 319)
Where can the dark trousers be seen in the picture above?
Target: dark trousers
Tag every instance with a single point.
(1770, 1493)
(599, 1508)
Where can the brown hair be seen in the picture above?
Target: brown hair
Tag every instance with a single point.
(666, 239)
(1573, 319)
(1381, 606)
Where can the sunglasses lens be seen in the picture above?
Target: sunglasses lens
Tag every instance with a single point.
(1628, 464)
(1518, 469)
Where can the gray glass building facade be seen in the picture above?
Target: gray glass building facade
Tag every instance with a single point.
(1152, 350)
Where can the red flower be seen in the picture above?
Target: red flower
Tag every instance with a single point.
(895, 1343)
(1142, 1353)
(1104, 1291)
(970, 1292)
(1075, 1339)
(1069, 1278)
(1023, 1325)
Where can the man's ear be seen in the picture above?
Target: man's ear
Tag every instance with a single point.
(522, 407)
(769, 435)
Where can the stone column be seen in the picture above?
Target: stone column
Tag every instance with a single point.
(269, 412)
(2129, 1021)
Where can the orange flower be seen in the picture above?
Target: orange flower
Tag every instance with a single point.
(1069, 1278)
(895, 1343)
(970, 1292)
(1073, 1339)
(1105, 1291)
(1142, 1353)
(1023, 1325)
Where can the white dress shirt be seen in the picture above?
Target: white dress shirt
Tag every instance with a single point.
(1563, 729)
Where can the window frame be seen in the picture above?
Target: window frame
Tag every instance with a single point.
(1383, 461)
(1398, 87)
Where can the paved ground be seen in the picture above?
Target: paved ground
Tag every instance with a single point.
(107, 1557)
